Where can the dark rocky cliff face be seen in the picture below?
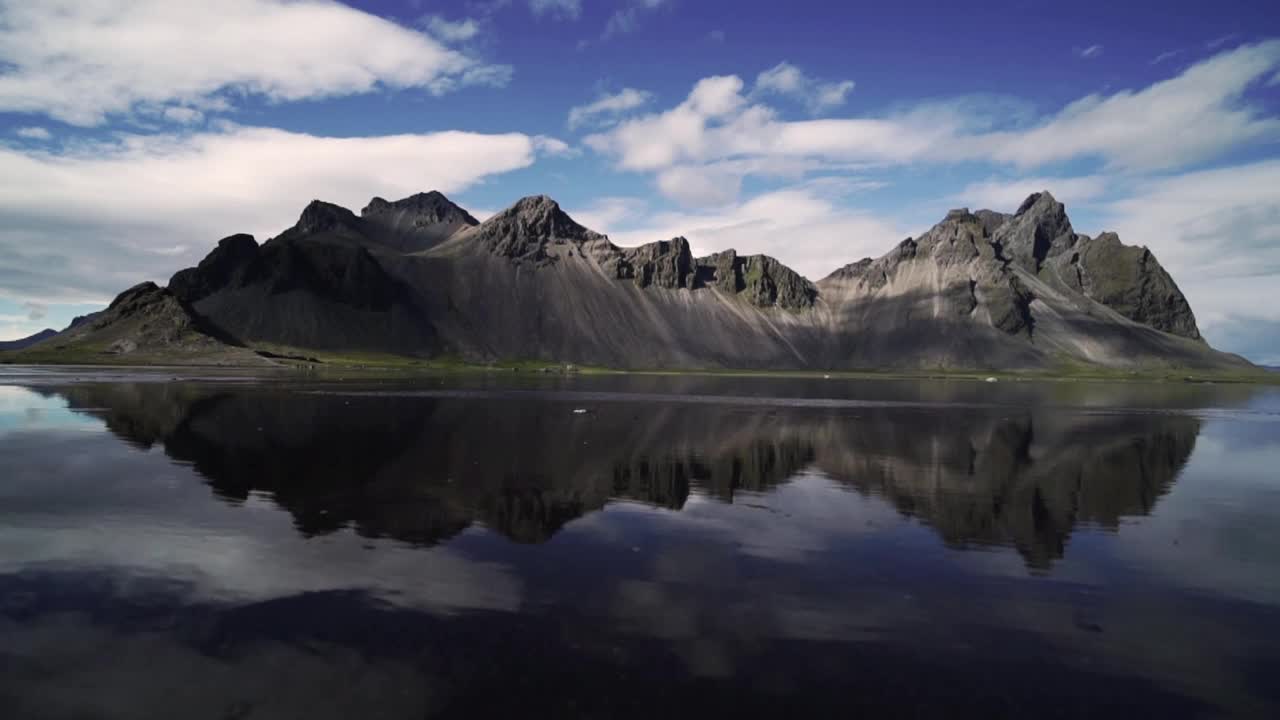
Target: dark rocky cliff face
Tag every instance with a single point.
(666, 264)
(217, 270)
(1128, 280)
(767, 282)
(757, 279)
(318, 285)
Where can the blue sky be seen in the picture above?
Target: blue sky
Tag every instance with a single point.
(135, 133)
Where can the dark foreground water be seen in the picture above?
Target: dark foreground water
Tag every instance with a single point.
(637, 547)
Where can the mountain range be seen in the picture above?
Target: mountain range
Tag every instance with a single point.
(421, 277)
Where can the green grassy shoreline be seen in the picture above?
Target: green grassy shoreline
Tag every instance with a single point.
(358, 365)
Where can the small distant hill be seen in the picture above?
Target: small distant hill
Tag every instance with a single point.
(27, 341)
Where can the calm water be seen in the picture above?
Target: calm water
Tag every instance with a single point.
(710, 547)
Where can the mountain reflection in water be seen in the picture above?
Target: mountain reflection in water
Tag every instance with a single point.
(637, 547)
(422, 468)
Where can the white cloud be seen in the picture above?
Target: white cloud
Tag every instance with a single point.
(700, 186)
(85, 223)
(1217, 232)
(1167, 55)
(830, 95)
(183, 115)
(717, 123)
(610, 212)
(1090, 52)
(772, 223)
(608, 108)
(660, 140)
(1195, 116)
(568, 9)
(787, 79)
(1005, 195)
(451, 31)
(1221, 40)
(782, 78)
(33, 133)
(553, 147)
(1189, 118)
(627, 19)
(82, 60)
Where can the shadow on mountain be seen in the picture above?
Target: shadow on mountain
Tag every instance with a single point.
(422, 468)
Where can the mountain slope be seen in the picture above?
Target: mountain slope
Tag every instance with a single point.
(144, 324)
(532, 283)
(421, 277)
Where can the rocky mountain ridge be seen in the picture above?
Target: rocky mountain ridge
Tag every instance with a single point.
(422, 277)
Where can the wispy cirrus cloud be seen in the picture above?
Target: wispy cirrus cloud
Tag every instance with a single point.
(608, 107)
(628, 18)
(33, 133)
(1221, 40)
(567, 9)
(451, 31)
(81, 61)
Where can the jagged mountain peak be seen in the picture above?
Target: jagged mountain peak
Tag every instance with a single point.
(415, 223)
(319, 216)
(424, 205)
(524, 230)
(541, 214)
(421, 199)
(534, 203)
(238, 241)
(141, 291)
(1040, 202)
(216, 270)
(1039, 230)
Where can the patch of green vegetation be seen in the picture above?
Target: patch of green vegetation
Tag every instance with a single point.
(357, 362)
(364, 364)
